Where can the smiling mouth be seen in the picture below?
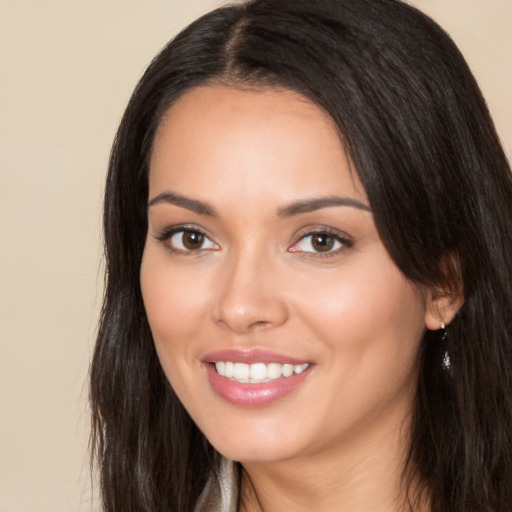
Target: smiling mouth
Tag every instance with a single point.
(257, 373)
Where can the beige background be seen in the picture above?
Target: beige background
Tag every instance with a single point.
(67, 69)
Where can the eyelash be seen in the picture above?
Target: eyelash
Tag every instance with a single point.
(343, 240)
(166, 235)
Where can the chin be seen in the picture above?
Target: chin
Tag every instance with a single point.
(259, 443)
(253, 453)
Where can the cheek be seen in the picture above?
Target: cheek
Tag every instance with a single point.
(371, 320)
(174, 303)
(370, 325)
(174, 300)
(348, 304)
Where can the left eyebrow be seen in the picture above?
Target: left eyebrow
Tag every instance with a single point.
(194, 205)
(310, 205)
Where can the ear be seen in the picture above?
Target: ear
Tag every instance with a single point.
(441, 308)
(444, 302)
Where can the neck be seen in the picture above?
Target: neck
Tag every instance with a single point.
(364, 473)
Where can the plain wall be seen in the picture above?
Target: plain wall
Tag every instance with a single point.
(67, 69)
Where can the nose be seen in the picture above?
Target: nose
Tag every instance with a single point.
(249, 296)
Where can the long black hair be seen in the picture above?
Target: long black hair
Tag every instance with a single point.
(414, 123)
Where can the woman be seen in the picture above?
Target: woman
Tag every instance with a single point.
(308, 234)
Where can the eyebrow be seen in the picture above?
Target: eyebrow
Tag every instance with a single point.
(193, 205)
(310, 205)
(296, 208)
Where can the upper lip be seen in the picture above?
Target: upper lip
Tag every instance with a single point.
(250, 356)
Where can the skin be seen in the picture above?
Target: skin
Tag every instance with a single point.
(336, 442)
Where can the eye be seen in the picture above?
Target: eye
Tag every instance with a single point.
(188, 240)
(320, 242)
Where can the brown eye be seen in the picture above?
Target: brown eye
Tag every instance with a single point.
(322, 242)
(188, 240)
(192, 240)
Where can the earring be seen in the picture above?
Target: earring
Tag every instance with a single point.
(443, 327)
(446, 357)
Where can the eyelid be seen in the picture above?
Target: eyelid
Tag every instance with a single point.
(343, 238)
(167, 233)
(163, 234)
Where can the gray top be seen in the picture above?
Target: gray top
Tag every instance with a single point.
(220, 494)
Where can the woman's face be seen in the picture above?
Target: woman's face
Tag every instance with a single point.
(278, 316)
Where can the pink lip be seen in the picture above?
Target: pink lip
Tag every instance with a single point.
(247, 394)
(251, 356)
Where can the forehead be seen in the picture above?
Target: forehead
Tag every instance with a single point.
(255, 140)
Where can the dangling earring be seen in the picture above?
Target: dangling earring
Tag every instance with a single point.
(446, 357)
(443, 327)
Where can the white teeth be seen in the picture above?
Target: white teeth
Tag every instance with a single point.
(229, 371)
(241, 372)
(299, 368)
(221, 367)
(274, 370)
(257, 372)
(288, 370)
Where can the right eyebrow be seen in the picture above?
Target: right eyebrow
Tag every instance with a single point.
(310, 205)
(193, 205)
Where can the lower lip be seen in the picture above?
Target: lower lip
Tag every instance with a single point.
(253, 395)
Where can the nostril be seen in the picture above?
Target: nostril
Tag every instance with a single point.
(241, 325)
(259, 325)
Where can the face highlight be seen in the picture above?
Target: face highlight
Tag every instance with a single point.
(279, 318)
